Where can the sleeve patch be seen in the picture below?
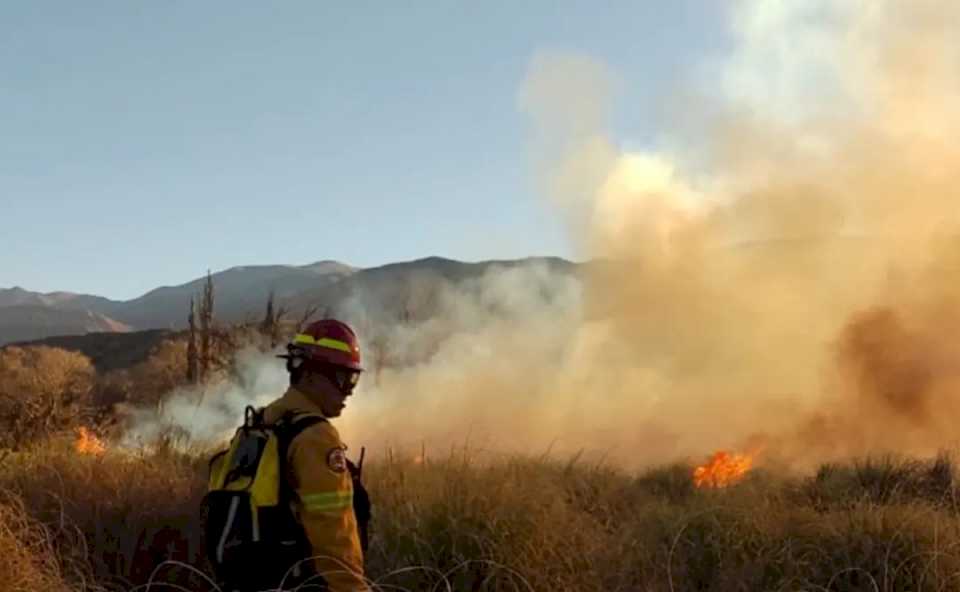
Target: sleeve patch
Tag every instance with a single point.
(337, 460)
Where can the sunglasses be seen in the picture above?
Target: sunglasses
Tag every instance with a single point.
(345, 380)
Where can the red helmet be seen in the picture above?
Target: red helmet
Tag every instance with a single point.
(328, 342)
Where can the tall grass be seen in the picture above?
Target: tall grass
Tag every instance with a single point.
(81, 523)
(27, 558)
(119, 514)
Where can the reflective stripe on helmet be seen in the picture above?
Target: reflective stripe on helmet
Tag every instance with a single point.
(303, 339)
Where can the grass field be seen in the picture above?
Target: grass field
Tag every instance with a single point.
(76, 523)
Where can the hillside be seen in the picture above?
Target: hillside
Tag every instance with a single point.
(108, 351)
(414, 288)
(17, 296)
(24, 322)
(242, 292)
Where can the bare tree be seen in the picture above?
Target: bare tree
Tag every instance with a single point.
(275, 336)
(269, 319)
(270, 327)
(308, 313)
(379, 354)
(192, 345)
(206, 327)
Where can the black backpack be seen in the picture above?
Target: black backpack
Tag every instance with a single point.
(253, 540)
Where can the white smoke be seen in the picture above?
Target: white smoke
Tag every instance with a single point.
(209, 414)
(471, 370)
(431, 365)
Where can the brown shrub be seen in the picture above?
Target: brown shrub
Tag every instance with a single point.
(164, 370)
(146, 383)
(42, 390)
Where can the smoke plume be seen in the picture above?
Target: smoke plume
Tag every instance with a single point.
(783, 268)
(780, 270)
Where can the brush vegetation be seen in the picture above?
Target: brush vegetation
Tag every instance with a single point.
(462, 521)
(118, 521)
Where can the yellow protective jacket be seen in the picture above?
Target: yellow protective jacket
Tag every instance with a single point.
(323, 495)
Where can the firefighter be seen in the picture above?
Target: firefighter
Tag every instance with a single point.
(324, 366)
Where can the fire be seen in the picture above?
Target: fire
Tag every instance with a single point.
(723, 469)
(88, 443)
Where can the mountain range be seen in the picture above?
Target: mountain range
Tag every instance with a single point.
(241, 294)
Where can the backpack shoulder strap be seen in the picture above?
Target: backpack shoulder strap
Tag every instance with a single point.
(290, 425)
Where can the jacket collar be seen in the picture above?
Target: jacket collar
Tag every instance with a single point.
(299, 401)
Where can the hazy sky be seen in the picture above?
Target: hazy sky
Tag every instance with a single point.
(144, 142)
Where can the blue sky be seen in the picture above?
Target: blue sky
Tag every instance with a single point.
(145, 142)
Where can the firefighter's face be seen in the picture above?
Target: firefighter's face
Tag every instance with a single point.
(321, 389)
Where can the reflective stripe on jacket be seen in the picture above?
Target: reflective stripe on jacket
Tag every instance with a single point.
(316, 462)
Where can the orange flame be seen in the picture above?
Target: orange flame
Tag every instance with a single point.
(88, 443)
(723, 469)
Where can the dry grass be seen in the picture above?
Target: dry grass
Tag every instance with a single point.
(513, 524)
(589, 528)
(119, 514)
(28, 562)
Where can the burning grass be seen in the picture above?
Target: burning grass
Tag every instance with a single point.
(723, 469)
(88, 443)
(105, 522)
